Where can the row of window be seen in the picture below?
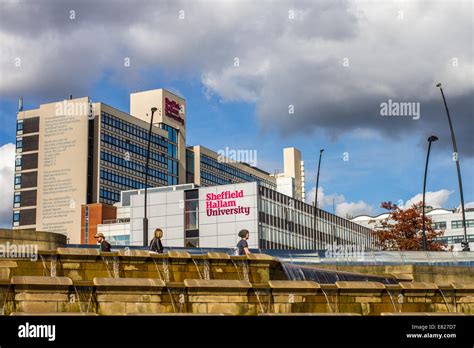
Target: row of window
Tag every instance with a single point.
(214, 179)
(326, 231)
(454, 239)
(282, 206)
(109, 195)
(121, 134)
(442, 225)
(154, 181)
(86, 227)
(19, 125)
(132, 165)
(232, 171)
(172, 167)
(458, 223)
(172, 132)
(127, 146)
(285, 238)
(132, 129)
(118, 179)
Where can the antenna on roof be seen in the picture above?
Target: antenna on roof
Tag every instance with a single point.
(20, 104)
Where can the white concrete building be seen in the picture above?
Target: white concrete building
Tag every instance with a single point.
(212, 216)
(450, 221)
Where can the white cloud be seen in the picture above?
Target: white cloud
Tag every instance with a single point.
(342, 208)
(282, 61)
(351, 209)
(324, 200)
(7, 161)
(436, 199)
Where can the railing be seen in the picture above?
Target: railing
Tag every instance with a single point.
(438, 258)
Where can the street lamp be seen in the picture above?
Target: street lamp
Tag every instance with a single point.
(316, 193)
(465, 244)
(145, 219)
(430, 140)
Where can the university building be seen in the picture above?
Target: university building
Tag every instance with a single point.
(212, 216)
(75, 155)
(447, 220)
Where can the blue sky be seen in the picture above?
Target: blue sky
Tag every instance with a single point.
(297, 61)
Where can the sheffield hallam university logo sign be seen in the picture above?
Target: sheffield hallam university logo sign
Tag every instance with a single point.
(225, 203)
(173, 110)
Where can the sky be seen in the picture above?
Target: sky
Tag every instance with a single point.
(264, 76)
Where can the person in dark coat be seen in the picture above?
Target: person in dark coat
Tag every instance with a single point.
(242, 245)
(104, 245)
(155, 244)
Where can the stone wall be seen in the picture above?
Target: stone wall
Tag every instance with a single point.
(44, 240)
(134, 282)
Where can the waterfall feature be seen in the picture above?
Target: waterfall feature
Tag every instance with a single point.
(322, 276)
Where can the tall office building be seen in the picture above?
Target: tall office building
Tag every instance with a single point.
(76, 152)
(208, 168)
(291, 181)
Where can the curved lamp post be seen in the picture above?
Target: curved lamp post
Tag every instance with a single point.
(430, 140)
(145, 218)
(316, 194)
(465, 244)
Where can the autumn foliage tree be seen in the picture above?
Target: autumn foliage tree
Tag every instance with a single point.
(402, 229)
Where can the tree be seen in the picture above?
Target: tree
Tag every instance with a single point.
(402, 229)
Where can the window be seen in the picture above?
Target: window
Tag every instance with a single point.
(16, 216)
(192, 243)
(18, 179)
(19, 125)
(17, 198)
(441, 225)
(18, 161)
(456, 224)
(19, 143)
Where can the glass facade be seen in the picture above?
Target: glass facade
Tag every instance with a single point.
(172, 153)
(286, 223)
(191, 219)
(189, 166)
(123, 151)
(214, 172)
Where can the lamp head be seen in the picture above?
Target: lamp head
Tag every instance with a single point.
(321, 151)
(432, 138)
(438, 84)
(153, 109)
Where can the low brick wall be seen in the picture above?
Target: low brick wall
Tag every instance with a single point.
(174, 266)
(143, 296)
(137, 282)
